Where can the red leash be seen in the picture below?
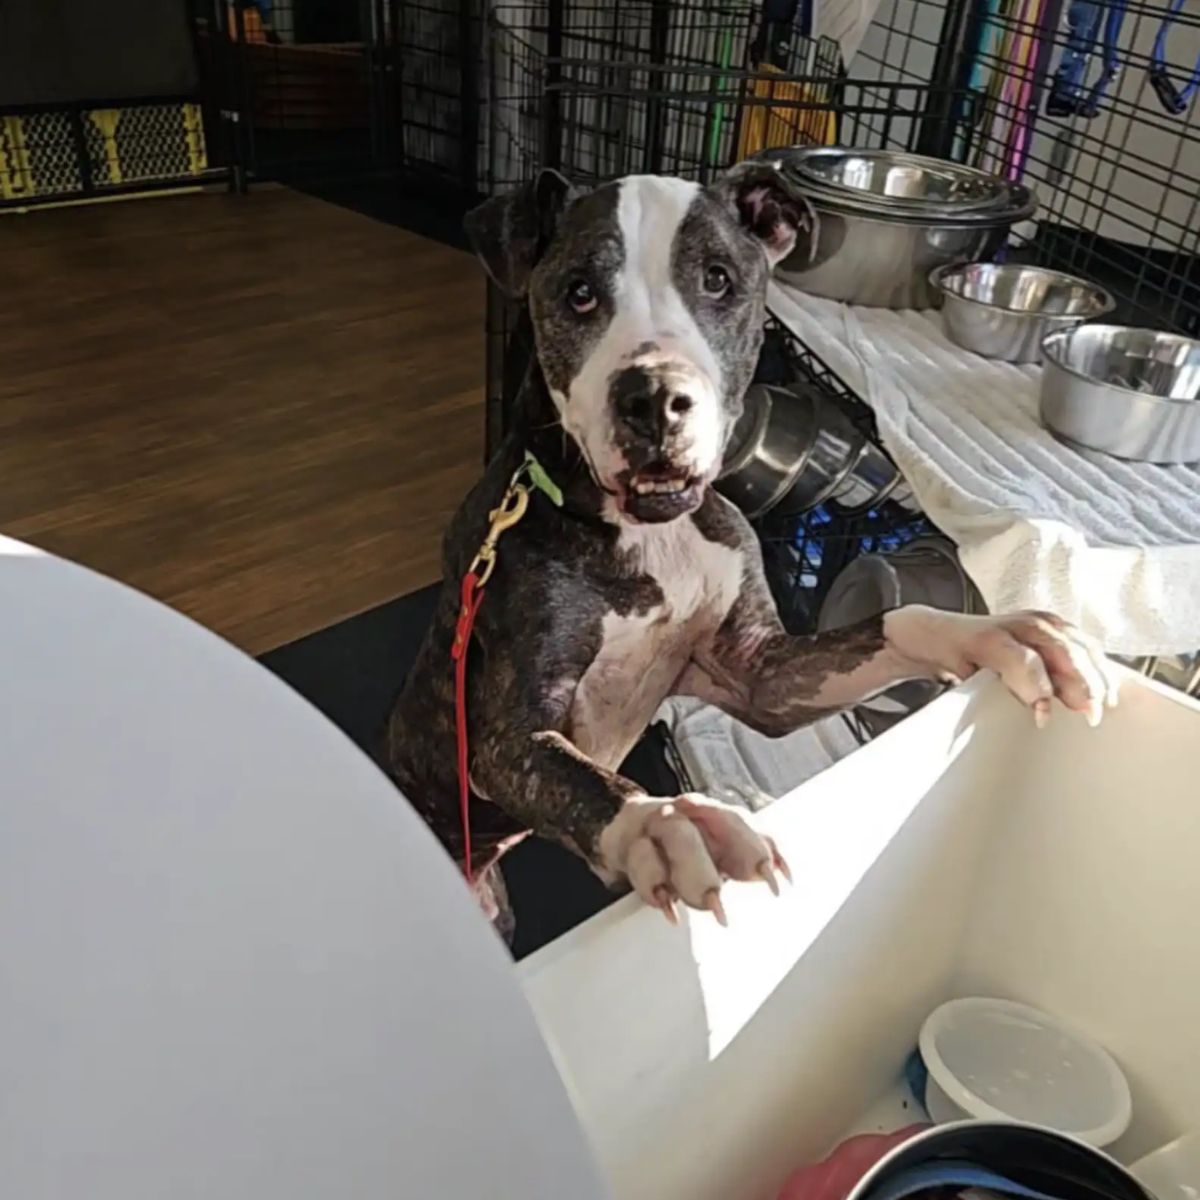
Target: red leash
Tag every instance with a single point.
(511, 510)
(472, 598)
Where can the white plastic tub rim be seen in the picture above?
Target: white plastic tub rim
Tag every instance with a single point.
(955, 856)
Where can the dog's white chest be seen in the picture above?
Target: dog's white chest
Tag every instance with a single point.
(642, 654)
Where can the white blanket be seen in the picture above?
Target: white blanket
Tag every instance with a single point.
(1113, 546)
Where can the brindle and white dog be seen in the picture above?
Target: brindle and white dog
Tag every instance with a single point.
(647, 304)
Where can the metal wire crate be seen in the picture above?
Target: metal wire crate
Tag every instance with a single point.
(1117, 174)
(675, 90)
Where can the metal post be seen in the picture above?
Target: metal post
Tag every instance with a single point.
(660, 19)
(961, 27)
(468, 91)
(551, 94)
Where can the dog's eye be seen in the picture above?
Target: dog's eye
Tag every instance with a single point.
(716, 280)
(581, 297)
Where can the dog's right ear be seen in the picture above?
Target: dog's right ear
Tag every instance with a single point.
(510, 232)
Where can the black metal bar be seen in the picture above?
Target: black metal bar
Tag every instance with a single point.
(20, 110)
(961, 27)
(83, 159)
(551, 149)
(468, 68)
(371, 16)
(660, 23)
(243, 113)
(142, 187)
(1051, 20)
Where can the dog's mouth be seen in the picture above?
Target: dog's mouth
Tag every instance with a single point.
(661, 492)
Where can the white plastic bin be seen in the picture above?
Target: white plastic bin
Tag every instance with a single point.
(963, 853)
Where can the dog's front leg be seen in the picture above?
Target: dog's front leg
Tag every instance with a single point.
(776, 683)
(667, 849)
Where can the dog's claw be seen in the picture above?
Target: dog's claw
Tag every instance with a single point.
(666, 901)
(781, 863)
(768, 876)
(712, 901)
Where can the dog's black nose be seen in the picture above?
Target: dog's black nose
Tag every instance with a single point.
(647, 406)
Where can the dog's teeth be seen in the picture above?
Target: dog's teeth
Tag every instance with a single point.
(665, 487)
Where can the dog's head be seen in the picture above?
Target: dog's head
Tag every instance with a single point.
(647, 299)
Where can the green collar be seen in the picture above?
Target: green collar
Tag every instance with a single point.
(539, 479)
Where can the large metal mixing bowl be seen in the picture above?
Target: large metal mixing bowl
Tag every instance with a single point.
(884, 263)
(878, 249)
(893, 179)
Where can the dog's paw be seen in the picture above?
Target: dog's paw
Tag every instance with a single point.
(1038, 656)
(684, 849)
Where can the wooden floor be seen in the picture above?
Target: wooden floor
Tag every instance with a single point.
(259, 409)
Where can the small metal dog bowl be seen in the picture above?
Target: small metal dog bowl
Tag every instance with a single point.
(1132, 393)
(1005, 311)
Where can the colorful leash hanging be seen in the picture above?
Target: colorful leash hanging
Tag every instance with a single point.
(509, 512)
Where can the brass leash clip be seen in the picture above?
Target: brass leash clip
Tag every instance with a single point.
(510, 510)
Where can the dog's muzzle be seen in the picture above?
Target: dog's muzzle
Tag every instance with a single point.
(659, 416)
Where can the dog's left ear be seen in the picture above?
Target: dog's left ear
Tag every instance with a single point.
(511, 231)
(769, 208)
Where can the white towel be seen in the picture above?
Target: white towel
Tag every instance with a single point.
(1110, 545)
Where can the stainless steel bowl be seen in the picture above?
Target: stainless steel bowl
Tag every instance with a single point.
(921, 188)
(896, 180)
(871, 479)
(926, 571)
(872, 250)
(836, 447)
(883, 263)
(1132, 393)
(790, 450)
(1003, 311)
(767, 448)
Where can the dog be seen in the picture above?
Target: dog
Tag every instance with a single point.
(647, 302)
